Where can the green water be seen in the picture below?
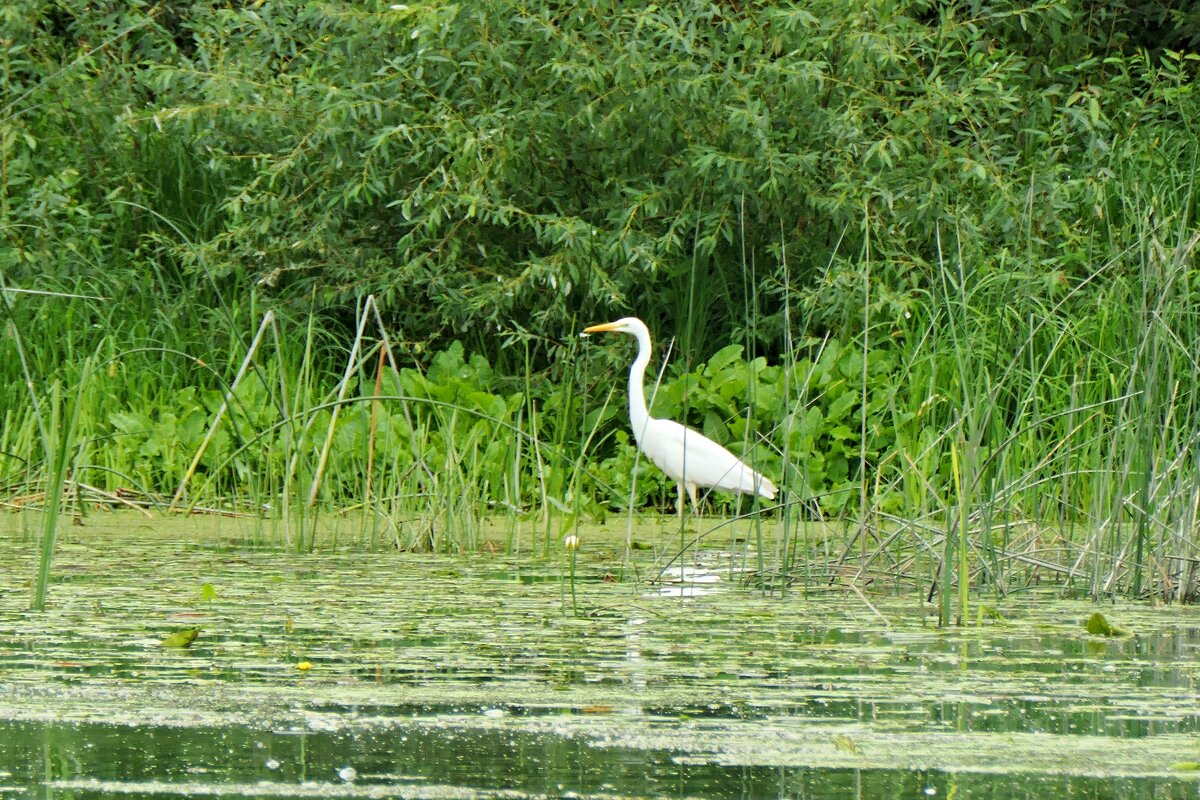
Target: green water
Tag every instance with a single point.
(351, 674)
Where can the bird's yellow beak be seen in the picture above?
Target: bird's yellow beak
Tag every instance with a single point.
(607, 326)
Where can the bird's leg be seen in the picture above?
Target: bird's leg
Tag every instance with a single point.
(679, 502)
(691, 489)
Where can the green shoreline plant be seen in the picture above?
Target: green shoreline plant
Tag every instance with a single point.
(448, 448)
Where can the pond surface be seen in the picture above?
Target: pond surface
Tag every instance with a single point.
(355, 674)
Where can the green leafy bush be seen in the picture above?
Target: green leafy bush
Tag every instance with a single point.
(479, 165)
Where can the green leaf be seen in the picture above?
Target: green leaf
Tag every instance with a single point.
(181, 638)
(1097, 625)
(842, 404)
(846, 744)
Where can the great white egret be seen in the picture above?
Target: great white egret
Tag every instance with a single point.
(688, 457)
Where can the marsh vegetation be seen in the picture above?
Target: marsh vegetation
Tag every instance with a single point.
(317, 492)
(317, 272)
(931, 268)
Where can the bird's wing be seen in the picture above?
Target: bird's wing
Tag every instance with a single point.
(691, 457)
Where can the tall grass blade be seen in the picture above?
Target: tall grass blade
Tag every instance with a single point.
(352, 366)
(264, 326)
(64, 420)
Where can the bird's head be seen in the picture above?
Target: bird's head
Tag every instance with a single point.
(630, 325)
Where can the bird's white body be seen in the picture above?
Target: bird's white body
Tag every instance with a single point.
(688, 457)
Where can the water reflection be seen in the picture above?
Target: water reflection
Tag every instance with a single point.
(52, 759)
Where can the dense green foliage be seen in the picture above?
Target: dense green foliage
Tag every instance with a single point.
(925, 227)
(497, 162)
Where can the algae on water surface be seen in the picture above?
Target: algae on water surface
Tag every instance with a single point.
(355, 674)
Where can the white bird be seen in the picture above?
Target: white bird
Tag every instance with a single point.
(688, 457)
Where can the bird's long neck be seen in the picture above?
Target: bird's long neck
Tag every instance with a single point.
(639, 414)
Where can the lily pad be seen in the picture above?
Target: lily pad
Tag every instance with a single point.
(181, 638)
(1097, 625)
